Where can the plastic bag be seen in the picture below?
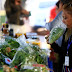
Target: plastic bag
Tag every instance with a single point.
(21, 40)
(21, 56)
(55, 33)
(27, 56)
(36, 68)
(12, 42)
(6, 48)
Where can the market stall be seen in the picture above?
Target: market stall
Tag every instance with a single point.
(23, 54)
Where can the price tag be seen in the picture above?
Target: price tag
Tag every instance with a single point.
(66, 60)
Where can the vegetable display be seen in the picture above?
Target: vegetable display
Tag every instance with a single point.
(28, 56)
(16, 53)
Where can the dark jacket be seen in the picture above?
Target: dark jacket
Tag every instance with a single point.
(62, 51)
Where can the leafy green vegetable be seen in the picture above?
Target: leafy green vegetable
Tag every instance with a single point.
(55, 34)
(1, 70)
(10, 54)
(13, 43)
(29, 55)
(19, 58)
(4, 46)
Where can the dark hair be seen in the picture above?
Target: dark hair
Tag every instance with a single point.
(57, 4)
(8, 2)
(68, 8)
(12, 1)
(66, 1)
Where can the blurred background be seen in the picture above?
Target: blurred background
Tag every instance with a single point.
(40, 13)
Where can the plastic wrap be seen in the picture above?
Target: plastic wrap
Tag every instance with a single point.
(6, 48)
(29, 55)
(55, 33)
(12, 42)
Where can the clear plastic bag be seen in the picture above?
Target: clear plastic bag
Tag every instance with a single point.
(26, 56)
(6, 49)
(12, 42)
(21, 40)
(55, 33)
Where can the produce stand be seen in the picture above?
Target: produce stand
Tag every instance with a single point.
(23, 55)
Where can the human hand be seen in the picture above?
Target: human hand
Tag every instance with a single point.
(47, 38)
(25, 12)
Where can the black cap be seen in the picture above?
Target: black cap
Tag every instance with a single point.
(66, 1)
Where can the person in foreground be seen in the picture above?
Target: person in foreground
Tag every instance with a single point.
(65, 51)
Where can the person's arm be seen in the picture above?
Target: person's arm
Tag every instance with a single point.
(56, 48)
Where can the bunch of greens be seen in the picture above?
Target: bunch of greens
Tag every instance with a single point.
(28, 56)
(55, 34)
(4, 46)
(12, 42)
(8, 54)
(19, 58)
(6, 51)
(39, 54)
